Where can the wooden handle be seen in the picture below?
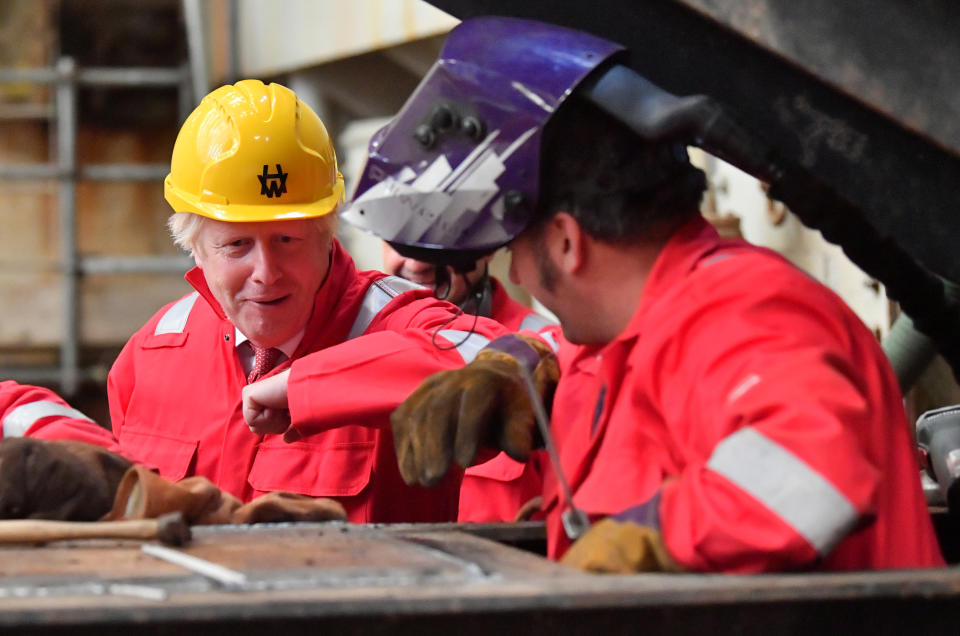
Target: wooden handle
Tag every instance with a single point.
(42, 530)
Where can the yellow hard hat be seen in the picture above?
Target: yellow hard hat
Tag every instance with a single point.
(251, 152)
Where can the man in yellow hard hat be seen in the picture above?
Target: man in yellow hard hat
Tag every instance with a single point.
(255, 188)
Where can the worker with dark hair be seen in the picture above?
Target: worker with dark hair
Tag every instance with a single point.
(717, 409)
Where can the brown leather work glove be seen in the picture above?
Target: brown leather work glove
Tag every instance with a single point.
(143, 494)
(620, 547)
(455, 413)
(287, 506)
(57, 479)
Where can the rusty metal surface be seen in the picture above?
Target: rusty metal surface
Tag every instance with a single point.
(341, 578)
(898, 58)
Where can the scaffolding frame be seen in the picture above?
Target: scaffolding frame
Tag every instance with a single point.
(67, 80)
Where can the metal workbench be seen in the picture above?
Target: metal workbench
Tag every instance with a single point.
(437, 579)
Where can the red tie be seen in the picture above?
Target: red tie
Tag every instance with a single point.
(263, 361)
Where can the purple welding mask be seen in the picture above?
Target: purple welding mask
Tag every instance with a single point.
(455, 174)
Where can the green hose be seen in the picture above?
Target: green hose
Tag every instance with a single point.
(910, 351)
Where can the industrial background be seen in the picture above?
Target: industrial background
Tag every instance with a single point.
(92, 93)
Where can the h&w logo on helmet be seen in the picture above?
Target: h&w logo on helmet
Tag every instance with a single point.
(273, 184)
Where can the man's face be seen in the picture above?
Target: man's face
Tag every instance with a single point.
(425, 274)
(265, 275)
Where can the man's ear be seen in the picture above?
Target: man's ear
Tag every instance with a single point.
(566, 242)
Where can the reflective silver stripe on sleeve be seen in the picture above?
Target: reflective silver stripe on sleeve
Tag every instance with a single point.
(784, 483)
(467, 346)
(394, 285)
(175, 319)
(20, 419)
(535, 322)
(378, 295)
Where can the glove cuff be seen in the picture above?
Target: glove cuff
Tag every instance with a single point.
(646, 514)
(518, 348)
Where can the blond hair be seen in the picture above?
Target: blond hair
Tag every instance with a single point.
(185, 227)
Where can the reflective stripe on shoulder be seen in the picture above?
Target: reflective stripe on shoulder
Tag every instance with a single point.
(714, 258)
(785, 484)
(468, 343)
(378, 295)
(175, 319)
(394, 285)
(548, 337)
(19, 420)
(535, 322)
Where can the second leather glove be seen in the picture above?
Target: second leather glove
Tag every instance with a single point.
(620, 547)
(455, 413)
(143, 494)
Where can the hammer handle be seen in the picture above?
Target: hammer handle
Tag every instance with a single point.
(42, 530)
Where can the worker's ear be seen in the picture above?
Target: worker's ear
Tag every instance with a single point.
(566, 242)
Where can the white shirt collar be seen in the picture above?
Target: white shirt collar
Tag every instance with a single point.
(287, 347)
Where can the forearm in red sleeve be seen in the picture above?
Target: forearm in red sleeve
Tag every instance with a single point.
(363, 380)
(31, 411)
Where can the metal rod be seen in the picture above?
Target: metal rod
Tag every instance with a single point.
(124, 171)
(92, 172)
(193, 17)
(222, 575)
(147, 592)
(233, 57)
(129, 76)
(135, 264)
(39, 75)
(97, 76)
(66, 161)
(575, 521)
(30, 171)
(185, 101)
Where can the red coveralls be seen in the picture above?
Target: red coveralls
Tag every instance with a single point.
(748, 408)
(496, 489)
(38, 412)
(175, 395)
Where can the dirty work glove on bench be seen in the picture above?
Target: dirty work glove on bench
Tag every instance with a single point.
(454, 413)
(626, 543)
(57, 479)
(143, 494)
